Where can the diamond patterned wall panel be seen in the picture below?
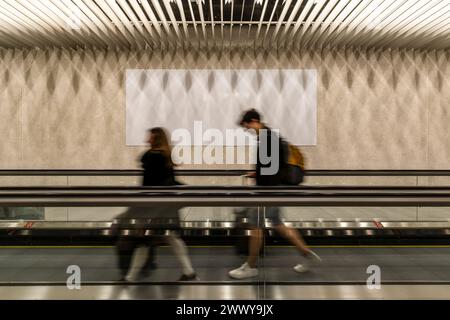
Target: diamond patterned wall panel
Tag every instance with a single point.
(64, 108)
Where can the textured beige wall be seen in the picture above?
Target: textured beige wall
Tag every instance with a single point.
(65, 109)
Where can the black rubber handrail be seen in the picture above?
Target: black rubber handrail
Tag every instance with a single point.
(187, 198)
(249, 188)
(215, 172)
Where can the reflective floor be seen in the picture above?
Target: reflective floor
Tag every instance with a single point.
(224, 292)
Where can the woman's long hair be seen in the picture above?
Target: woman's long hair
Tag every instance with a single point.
(161, 143)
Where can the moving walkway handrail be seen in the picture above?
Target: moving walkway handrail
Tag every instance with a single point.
(226, 196)
(250, 188)
(214, 172)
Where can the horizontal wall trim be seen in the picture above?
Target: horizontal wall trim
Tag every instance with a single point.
(215, 172)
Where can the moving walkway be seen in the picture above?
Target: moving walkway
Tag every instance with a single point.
(413, 254)
(210, 230)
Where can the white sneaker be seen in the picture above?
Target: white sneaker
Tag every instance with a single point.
(243, 272)
(312, 256)
(311, 259)
(300, 268)
(129, 278)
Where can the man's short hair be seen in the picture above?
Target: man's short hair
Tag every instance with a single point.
(249, 115)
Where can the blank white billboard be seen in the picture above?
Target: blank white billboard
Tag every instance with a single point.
(214, 99)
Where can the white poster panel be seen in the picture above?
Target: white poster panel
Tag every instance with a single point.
(206, 103)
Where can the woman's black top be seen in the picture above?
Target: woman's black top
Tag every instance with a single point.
(157, 169)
